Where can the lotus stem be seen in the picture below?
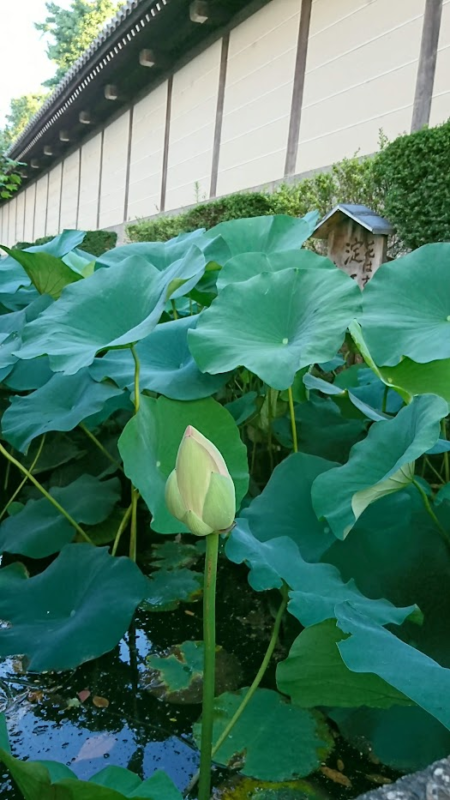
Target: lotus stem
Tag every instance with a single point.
(48, 496)
(101, 447)
(431, 513)
(134, 491)
(252, 689)
(121, 528)
(209, 664)
(292, 415)
(137, 370)
(23, 482)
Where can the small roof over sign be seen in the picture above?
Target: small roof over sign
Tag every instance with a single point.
(360, 214)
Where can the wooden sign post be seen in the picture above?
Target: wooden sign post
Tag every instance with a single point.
(357, 240)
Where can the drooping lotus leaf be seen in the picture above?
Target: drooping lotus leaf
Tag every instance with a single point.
(149, 445)
(12, 325)
(373, 649)
(406, 308)
(379, 465)
(62, 244)
(113, 308)
(243, 407)
(166, 364)
(48, 274)
(42, 780)
(276, 323)
(405, 738)
(247, 265)
(272, 740)
(284, 507)
(28, 375)
(60, 405)
(40, 530)
(408, 377)
(260, 235)
(74, 611)
(314, 674)
(160, 254)
(316, 588)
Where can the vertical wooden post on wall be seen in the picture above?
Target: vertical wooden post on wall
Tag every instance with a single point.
(219, 114)
(128, 167)
(298, 88)
(77, 215)
(100, 176)
(427, 64)
(165, 164)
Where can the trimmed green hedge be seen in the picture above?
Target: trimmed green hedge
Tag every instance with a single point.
(95, 242)
(407, 181)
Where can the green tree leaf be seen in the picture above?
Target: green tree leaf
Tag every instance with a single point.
(381, 464)
(301, 742)
(74, 611)
(314, 674)
(266, 323)
(149, 445)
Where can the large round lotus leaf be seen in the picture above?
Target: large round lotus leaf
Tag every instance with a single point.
(284, 507)
(60, 405)
(276, 323)
(28, 375)
(160, 254)
(112, 308)
(39, 529)
(62, 244)
(406, 307)
(74, 611)
(149, 444)
(314, 674)
(381, 464)
(272, 740)
(166, 364)
(12, 325)
(247, 265)
(373, 649)
(257, 235)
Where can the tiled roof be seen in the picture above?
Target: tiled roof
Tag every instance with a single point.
(150, 9)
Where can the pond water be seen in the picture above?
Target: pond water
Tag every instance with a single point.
(102, 713)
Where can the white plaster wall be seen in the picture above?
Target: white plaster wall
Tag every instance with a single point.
(89, 183)
(440, 105)
(360, 76)
(29, 213)
(12, 222)
(193, 116)
(54, 191)
(41, 203)
(3, 213)
(69, 194)
(258, 97)
(20, 216)
(115, 148)
(147, 145)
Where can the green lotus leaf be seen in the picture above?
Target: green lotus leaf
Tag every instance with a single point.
(381, 464)
(316, 588)
(314, 674)
(74, 611)
(276, 323)
(168, 588)
(373, 649)
(113, 308)
(60, 405)
(301, 741)
(39, 529)
(166, 364)
(48, 274)
(406, 308)
(247, 265)
(149, 445)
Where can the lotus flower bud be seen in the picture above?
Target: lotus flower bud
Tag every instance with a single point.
(200, 491)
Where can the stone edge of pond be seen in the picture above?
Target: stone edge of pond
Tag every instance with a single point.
(432, 783)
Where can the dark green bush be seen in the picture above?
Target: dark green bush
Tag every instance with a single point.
(413, 174)
(95, 242)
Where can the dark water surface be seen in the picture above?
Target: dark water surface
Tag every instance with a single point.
(136, 730)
